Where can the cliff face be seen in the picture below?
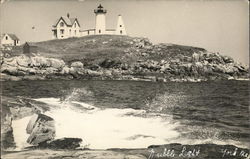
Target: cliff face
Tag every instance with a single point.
(120, 57)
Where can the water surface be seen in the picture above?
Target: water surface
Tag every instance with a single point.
(132, 114)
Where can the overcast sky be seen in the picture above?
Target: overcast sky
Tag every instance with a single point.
(216, 25)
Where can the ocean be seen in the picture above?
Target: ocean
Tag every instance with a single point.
(137, 114)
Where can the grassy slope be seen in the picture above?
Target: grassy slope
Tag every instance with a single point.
(96, 48)
(86, 48)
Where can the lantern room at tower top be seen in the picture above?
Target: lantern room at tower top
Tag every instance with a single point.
(100, 10)
(72, 27)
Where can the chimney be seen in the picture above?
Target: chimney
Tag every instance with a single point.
(68, 15)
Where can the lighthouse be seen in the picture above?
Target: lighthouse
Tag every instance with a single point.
(100, 20)
(120, 29)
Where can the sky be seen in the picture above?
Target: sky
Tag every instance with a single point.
(216, 25)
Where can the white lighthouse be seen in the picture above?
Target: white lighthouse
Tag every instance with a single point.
(120, 29)
(100, 20)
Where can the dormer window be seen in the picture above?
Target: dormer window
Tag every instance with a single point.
(75, 25)
(6, 37)
(61, 24)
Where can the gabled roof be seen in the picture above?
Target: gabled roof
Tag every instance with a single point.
(30, 43)
(12, 36)
(67, 21)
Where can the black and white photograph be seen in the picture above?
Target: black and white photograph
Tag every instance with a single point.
(124, 79)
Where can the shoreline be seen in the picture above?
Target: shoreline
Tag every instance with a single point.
(6, 77)
(167, 151)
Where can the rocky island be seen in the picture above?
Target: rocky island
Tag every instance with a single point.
(113, 57)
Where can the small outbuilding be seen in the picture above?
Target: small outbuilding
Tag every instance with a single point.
(29, 48)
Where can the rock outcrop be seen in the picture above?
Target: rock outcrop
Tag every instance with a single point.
(63, 143)
(7, 139)
(41, 128)
(14, 109)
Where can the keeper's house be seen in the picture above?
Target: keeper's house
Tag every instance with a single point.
(66, 27)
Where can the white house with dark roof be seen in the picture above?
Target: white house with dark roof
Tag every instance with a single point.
(9, 40)
(66, 27)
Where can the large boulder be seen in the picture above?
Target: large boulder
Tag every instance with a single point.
(227, 59)
(77, 64)
(10, 61)
(230, 69)
(9, 69)
(41, 128)
(65, 70)
(23, 60)
(56, 63)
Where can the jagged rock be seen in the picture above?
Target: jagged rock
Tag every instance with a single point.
(56, 63)
(77, 64)
(227, 59)
(39, 61)
(20, 111)
(229, 69)
(51, 70)
(11, 70)
(23, 60)
(41, 128)
(7, 139)
(10, 61)
(195, 57)
(218, 68)
(21, 71)
(63, 143)
(65, 70)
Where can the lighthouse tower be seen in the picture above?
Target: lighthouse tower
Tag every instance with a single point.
(100, 20)
(120, 29)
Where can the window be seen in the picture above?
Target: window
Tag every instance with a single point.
(62, 31)
(75, 32)
(120, 25)
(120, 31)
(75, 25)
(6, 37)
(99, 31)
(69, 31)
(61, 24)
